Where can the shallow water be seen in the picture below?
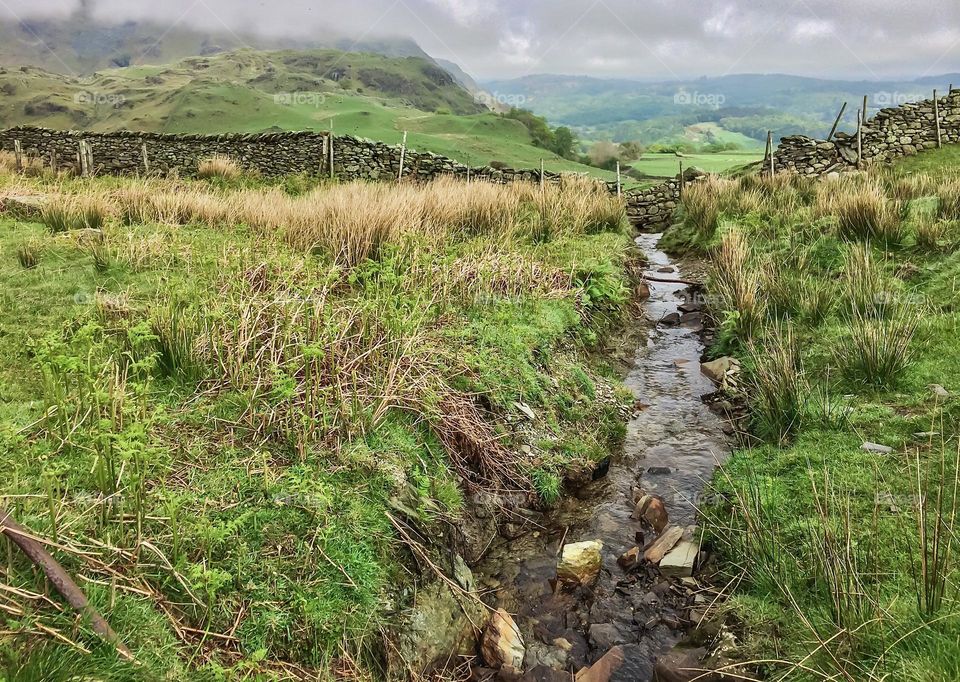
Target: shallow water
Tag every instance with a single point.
(672, 446)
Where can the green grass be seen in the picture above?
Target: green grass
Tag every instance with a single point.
(129, 420)
(820, 536)
(668, 165)
(933, 162)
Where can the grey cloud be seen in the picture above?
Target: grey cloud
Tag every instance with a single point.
(655, 38)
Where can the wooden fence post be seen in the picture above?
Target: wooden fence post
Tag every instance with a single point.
(18, 155)
(82, 154)
(859, 139)
(836, 124)
(323, 156)
(542, 184)
(90, 166)
(403, 155)
(770, 152)
(680, 182)
(936, 117)
(331, 149)
(864, 110)
(146, 158)
(619, 184)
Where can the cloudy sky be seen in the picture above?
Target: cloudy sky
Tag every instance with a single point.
(609, 38)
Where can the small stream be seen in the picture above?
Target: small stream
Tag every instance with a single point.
(672, 446)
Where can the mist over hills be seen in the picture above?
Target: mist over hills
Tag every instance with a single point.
(78, 45)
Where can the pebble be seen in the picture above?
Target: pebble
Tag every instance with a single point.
(876, 448)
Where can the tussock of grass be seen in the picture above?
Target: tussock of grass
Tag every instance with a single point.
(907, 188)
(932, 234)
(949, 195)
(779, 388)
(878, 351)
(28, 254)
(864, 213)
(868, 293)
(67, 212)
(701, 207)
(736, 282)
(222, 167)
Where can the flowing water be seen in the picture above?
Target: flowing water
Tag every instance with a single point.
(672, 446)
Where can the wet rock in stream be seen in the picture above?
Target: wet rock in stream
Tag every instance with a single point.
(580, 562)
(502, 644)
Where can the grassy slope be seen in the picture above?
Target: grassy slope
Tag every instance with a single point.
(822, 534)
(668, 165)
(288, 541)
(373, 97)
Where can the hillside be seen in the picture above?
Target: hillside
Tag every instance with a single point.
(365, 95)
(745, 106)
(81, 45)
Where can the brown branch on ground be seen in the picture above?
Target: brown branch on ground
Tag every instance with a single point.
(665, 280)
(61, 581)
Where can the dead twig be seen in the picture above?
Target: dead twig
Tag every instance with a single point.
(61, 581)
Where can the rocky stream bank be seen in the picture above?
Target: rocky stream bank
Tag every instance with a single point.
(613, 583)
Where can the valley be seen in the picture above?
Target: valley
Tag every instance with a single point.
(328, 357)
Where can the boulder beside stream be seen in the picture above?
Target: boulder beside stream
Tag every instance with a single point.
(502, 645)
(438, 623)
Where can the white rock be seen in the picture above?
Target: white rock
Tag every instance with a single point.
(526, 409)
(580, 562)
(716, 370)
(939, 391)
(877, 448)
(680, 561)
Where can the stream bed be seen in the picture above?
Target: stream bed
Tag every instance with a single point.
(672, 446)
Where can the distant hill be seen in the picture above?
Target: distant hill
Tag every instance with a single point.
(244, 84)
(362, 94)
(78, 45)
(745, 105)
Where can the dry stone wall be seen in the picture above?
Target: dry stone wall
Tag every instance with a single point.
(289, 153)
(270, 154)
(652, 209)
(891, 134)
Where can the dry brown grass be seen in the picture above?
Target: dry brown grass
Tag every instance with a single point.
(738, 284)
(702, 203)
(352, 222)
(8, 162)
(949, 195)
(909, 187)
(32, 167)
(862, 211)
(932, 233)
(218, 166)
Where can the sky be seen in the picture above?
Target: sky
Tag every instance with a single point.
(658, 39)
